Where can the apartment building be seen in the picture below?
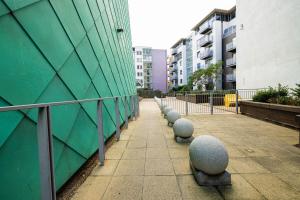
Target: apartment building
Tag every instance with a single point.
(210, 37)
(178, 69)
(268, 43)
(150, 68)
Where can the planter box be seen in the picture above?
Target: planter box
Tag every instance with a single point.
(282, 114)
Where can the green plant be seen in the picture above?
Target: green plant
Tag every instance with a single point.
(272, 95)
(206, 76)
(296, 91)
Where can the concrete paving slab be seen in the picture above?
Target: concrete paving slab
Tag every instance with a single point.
(159, 167)
(125, 188)
(107, 170)
(130, 167)
(181, 166)
(93, 188)
(157, 153)
(161, 187)
(247, 165)
(190, 189)
(271, 187)
(239, 190)
(134, 154)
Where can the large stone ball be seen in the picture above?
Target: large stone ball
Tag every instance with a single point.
(162, 107)
(208, 154)
(172, 116)
(183, 128)
(167, 110)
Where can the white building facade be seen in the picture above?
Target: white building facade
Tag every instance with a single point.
(268, 39)
(208, 46)
(178, 69)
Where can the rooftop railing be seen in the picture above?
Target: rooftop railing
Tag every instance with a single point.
(44, 133)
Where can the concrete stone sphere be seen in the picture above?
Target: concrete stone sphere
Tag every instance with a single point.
(162, 107)
(183, 128)
(208, 154)
(172, 116)
(167, 110)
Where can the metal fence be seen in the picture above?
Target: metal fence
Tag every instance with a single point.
(44, 135)
(208, 102)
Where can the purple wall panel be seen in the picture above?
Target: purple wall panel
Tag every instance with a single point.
(159, 69)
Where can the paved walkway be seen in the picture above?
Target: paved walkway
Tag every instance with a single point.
(148, 164)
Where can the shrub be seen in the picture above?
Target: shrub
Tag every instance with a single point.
(296, 91)
(272, 95)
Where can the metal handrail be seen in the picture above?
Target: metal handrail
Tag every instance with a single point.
(44, 134)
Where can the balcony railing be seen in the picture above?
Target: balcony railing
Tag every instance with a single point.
(231, 62)
(206, 54)
(205, 40)
(204, 28)
(174, 60)
(174, 77)
(231, 47)
(173, 51)
(230, 77)
(147, 59)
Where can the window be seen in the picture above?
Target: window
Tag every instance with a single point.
(198, 65)
(180, 80)
(180, 72)
(180, 63)
(138, 53)
(139, 66)
(139, 60)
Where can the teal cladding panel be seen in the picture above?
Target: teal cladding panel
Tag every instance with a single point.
(58, 50)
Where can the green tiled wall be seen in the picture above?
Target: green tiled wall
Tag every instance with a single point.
(56, 50)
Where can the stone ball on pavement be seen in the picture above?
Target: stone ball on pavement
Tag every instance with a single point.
(167, 110)
(208, 154)
(183, 128)
(162, 107)
(172, 116)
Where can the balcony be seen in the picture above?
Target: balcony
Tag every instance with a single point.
(230, 78)
(173, 52)
(147, 59)
(208, 53)
(231, 62)
(205, 40)
(174, 60)
(174, 77)
(204, 28)
(231, 47)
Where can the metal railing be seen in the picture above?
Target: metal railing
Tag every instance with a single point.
(44, 133)
(205, 27)
(207, 102)
(230, 62)
(206, 39)
(230, 46)
(206, 54)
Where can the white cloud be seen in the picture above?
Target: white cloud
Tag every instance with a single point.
(160, 23)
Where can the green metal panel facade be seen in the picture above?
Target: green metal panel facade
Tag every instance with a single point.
(57, 50)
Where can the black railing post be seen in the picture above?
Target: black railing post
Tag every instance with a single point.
(100, 132)
(46, 162)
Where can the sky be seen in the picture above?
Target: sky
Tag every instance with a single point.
(161, 23)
